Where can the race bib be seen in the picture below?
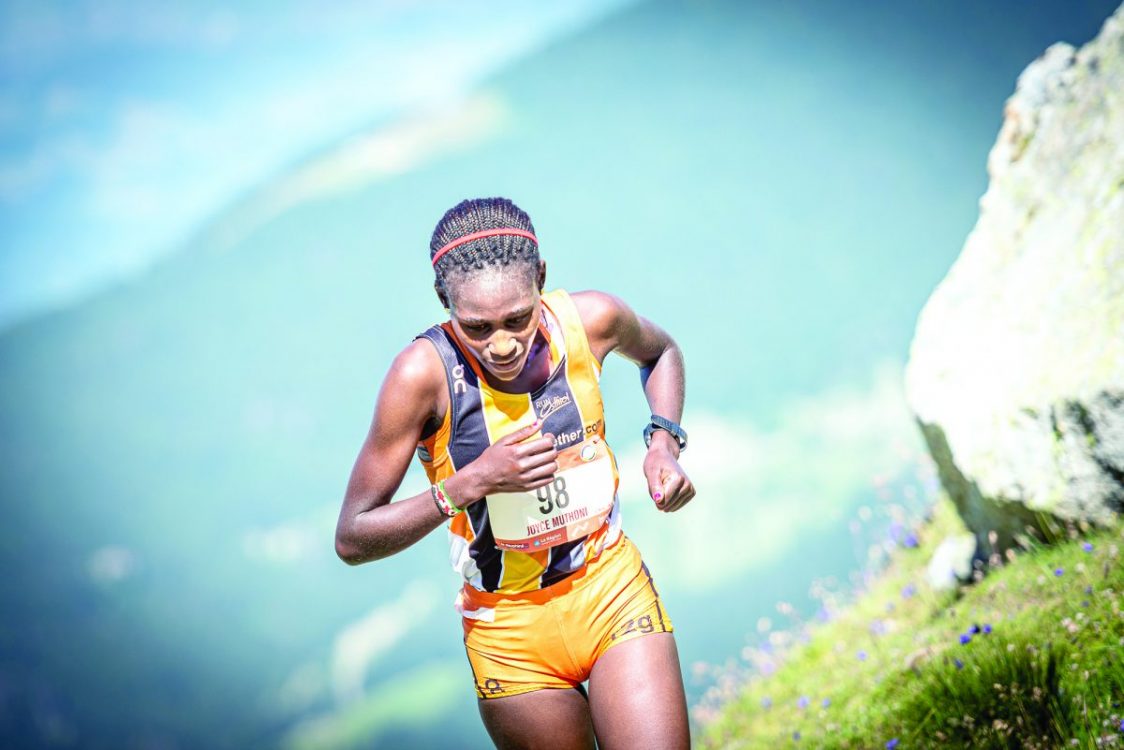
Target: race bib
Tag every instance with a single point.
(575, 504)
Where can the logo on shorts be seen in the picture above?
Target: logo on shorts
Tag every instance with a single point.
(492, 687)
(642, 624)
(589, 452)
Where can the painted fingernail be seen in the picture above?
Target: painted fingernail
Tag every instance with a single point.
(658, 496)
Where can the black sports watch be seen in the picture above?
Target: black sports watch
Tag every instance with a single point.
(659, 423)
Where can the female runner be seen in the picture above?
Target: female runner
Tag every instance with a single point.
(501, 404)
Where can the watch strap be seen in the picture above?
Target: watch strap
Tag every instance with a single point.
(660, 423)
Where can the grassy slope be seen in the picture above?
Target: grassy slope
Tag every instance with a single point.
(892, 666)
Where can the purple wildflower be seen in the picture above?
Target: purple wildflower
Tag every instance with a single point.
(974, 629)
(1122, 725)
(965, 639)
(910, 540)
(826, 702)
(986, 629)
(861, 655)
(766, 702)
(1087, 546)
(959, 664)
(1088, 589)
(908, 591)
(1059, 571)
(796, 735)
(803, 702)
(891, 744)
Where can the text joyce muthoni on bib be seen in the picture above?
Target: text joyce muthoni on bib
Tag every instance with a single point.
(575, 504)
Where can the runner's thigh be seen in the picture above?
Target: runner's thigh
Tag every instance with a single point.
(557, 718)
(636, 696)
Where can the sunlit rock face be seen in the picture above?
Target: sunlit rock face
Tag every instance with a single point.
(1016, 371)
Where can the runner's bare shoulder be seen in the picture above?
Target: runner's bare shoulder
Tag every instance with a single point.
(601, 314)
(416, 380)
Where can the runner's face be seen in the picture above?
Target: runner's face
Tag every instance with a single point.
(496, 315)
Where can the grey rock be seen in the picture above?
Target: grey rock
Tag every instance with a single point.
(1016, 371)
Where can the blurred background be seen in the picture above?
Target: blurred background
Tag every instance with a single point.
(214, 225)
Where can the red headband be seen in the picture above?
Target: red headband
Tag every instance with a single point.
(483, 233)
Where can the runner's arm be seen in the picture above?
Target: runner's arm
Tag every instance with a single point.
(370, 527)
(611, 325)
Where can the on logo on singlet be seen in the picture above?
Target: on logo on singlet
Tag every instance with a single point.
(459, 386)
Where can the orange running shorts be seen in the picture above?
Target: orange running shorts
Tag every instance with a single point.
(551, 637)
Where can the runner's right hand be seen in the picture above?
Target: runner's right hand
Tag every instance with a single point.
(515, 463)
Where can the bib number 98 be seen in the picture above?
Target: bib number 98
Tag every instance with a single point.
(553, 495)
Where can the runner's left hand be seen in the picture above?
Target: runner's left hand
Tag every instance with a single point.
(668, 485)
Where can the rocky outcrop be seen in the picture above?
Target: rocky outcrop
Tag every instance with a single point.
(1016, 372)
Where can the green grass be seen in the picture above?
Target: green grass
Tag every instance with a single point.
(890, 665)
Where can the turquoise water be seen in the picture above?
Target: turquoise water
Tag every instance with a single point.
(780, 187)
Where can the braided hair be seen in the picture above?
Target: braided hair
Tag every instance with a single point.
(499, 251)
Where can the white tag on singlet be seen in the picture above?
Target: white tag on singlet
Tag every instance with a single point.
(574, 505)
